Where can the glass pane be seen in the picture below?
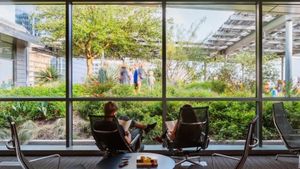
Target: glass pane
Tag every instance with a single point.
(228, 120)
(209, 57)
(37, 122)
(293, 114)
(117, 50)
(31, 55)
(139, 111)
(281, 73)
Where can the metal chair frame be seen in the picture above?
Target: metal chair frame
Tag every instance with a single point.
(14, 145)
(173, 144)
(250, 143)
(294, 150)
(127, 147)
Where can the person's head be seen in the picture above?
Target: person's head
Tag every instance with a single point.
(110, 109)
(150, 73)
(188, 114)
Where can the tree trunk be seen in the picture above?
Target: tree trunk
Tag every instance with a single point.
(90, 66)
(205, 71)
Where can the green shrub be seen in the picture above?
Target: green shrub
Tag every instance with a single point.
(228, 119)
(86, 108)
(218, 86)
(49, 111)
(54, 90)
(122, 90)
(97, 89)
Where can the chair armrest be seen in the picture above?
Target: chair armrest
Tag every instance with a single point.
(255, 144)
(196, 123)
(9, 146)
(133, 141)
(169, 139)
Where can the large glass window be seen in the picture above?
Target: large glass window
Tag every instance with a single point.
(31, 53)
(118, 53)
(208, 57)
(6, 61)
(292, 112)
(140, 111)
(228, 120)
(281, 73)
(117, 50)
(37, 122)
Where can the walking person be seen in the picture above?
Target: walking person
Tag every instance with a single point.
(124, 76)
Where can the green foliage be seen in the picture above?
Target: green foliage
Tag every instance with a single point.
(218, 86)
(55, 90)
(48, 75)
(87, 108)
(122, 90)
(97, 89)
(97, 29)
(48, 111)
(228, 120)
(145, 112)
(22, 112)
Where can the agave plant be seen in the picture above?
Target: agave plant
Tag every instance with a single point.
(50, 74)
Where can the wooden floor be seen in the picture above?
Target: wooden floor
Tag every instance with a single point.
(253, 162)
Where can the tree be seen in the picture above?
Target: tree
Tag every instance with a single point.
(117, 31)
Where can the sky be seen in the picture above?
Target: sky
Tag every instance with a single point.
(185, 17)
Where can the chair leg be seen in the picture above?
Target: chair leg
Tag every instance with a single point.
(298, 161)
(221, 155)
(17, 163)
(186, 158)
(46, 157)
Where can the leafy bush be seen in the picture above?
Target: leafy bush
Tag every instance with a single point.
(228, 119)
(122, 90)
(97, 89)
(86, 108)
(54, 90)
(218, 86)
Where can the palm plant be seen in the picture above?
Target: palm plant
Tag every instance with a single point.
(50, 74)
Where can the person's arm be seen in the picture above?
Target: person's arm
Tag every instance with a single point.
(172, 132)
(127, 137)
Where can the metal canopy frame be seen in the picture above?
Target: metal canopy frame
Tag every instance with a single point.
(257, 35)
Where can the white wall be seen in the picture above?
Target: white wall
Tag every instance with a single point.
(7, 12)
(6, 71)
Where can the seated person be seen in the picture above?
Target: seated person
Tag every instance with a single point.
(187, 116)
(110, 111)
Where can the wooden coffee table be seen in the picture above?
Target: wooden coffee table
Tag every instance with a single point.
(164, 162)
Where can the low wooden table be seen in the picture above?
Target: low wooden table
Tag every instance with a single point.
(164, 162)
